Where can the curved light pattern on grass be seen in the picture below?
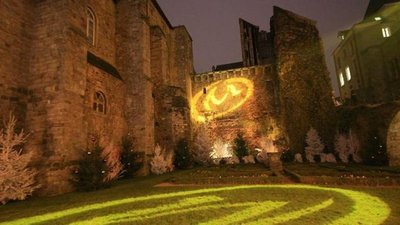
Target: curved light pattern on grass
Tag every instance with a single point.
(293, 215)
(261, 207)
(254, 210)
(365, 205)
(223, 97)
(151, 212)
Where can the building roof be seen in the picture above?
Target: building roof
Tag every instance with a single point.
(375, 5)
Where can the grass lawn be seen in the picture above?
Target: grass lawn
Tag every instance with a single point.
(138, 201)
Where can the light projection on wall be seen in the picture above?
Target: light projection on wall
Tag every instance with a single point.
(249, 211)
(221, 98)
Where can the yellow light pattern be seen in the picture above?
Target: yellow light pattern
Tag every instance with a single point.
(363, 206)
(222, 97)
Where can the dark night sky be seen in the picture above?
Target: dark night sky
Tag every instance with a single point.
(214, 26)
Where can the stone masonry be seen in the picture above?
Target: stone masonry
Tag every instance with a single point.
(51, 77)
(137, 79)
(393, 141)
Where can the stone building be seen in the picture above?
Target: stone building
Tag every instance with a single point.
(367, 59)
(80, 72)
(279, 90)
(77, 73)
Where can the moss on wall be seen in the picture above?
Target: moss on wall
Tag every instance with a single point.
(304, 85)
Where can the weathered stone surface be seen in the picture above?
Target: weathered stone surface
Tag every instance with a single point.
(256, 118)
(46, 80)
(393, 141)
(304, 85)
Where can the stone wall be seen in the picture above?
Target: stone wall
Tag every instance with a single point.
(183, 62)
(252, 110)
(304, 85)
(109, 127)
(133, 62)
(55, 80)
(15, 37)
(393, 141)
(105, 13)
(147, 52)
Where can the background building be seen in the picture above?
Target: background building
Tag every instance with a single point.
(367, 60)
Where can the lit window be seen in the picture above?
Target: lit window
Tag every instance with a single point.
(378, 18)
(99, 103)
(386, 32)
(341, 37)
(90, 26)
(348, 73)
(341, 79)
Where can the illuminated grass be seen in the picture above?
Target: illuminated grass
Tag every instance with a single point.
(252, 204)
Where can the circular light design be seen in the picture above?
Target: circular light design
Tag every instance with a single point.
(221, 98)
(256, 211)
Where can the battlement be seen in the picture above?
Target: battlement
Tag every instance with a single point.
(212, 76)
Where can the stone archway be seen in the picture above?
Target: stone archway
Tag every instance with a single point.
(393, 141)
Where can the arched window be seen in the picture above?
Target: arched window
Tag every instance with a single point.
(90, 26)
(100, 103)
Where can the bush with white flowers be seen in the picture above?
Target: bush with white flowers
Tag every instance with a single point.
(162, 161)
(314, 145)
(17, 179)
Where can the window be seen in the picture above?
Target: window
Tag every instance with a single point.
(348, 73)
(341, 79)
(386, 32)
(90, 26)
(378, 18)
(99, 103)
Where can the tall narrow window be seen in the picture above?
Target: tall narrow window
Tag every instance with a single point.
(348, 73)
(90, 26)
(386, 32)
(341, 79)
(99, 103)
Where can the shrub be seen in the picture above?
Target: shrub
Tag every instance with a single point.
(341, 147)
(298, 158)
(17, 179)
(221, 151)
(183, 159)
(347, 147)
(240, 147)
(249, 159)
(314, 145)
(202, 147)
(91, 172)
(375, 154)
(287, 156)
(129, 158)
(112, 158)
(162, 161)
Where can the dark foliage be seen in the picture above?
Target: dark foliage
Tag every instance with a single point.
(240, 146)
(183, 159)
(370, 125)
(91, 171)
(375, 153)
(287, 156)
(129, 158)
